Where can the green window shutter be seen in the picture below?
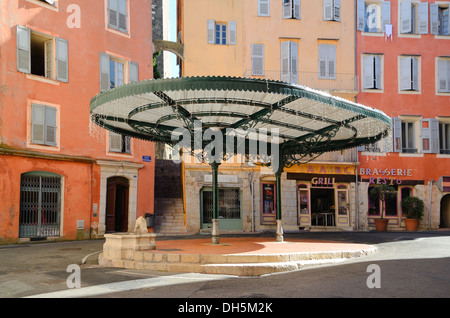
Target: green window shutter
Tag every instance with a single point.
(133, 72)
(37, 124)
(62, 60)
(104, 72)
(232, 32)
(23, 49)
(423, 18)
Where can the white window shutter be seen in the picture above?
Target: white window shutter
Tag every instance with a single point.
(368, 75)
(104, 72)
(397, 134)
(115, 142)
(211, 24)
(423, 18)
(331, 61)
(133, 72)
(294, 62)
(263, 8)
(337, 10)
(296, 6)
(415, 73)
(328, 10)
(232, 32)
(113, 14)
(378, 72)
(23, 49)
(37, 124)
(285, 62)
(385, 14)
(434, 18)
(62, 60)
(258, 59)
(50, 126)
(287, 9)
(405, 73)
(361, 14)
(405, 16)
(323, 55)
(49, 58)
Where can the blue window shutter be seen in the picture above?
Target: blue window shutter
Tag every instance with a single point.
(385, 14)
(23, 49)
(361, 13)
(232, 32)
(397, 134)
(104, 72)
(62, 60)
(133, 72)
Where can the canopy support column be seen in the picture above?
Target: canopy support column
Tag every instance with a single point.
(279, 232)
(215, 193)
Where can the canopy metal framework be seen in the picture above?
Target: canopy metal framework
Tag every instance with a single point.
(307, 122)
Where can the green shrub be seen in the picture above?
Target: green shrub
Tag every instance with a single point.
(413, 206)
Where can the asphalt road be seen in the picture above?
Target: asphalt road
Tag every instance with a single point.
(407, 265)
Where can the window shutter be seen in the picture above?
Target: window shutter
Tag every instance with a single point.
(405, 73)
(127, 141)
(445, 22)
(123, 16)
(328, 10)
(297, 9)
(443, 75)
(405, 17)
(285, 62)
(397, 132)
(210, 33)
(294, 62)
(337, 10)
(423, 18)
(49, 59)
(287, 9)
(331, 61)
(263, 8)
(232, 32)
(37, 124)
(113, 14)
(388, 145)
(115, 142)
(104, 72)
(361, 13)
(415, 73)
(434, 17)
(134, 72)
(378, 72)
(368, 71)
(23, 49)
(323, 54)
(62, 60)
(385, 14)
(258, 59)
(50, 126)
(434, 126)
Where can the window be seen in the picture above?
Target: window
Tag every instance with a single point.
(332, 10)
(289, 62)
(376, 205)
(327, 61)
(443, 76)
(43, 125)
(372, 72)
(413, 17)
(373, 15)
(42, 55)
(229, 205)
(217, 32)
(430, 135)
(258, 59)
(113, 70)
(263, 8)
(119, 143)
(408, 145)
(291, 9)
(50, 2)
(444, 138)
(439, 16)
(118, 15)
(405, 134)
(409, 73)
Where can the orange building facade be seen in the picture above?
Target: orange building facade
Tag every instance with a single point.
(60, 176)
(403, 60)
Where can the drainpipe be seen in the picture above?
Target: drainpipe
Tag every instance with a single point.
(357, 196)
(429, 212)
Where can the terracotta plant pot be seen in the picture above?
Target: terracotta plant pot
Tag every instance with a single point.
(381, 224)
(411, 224)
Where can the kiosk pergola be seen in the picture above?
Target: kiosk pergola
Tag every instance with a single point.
(305, 122)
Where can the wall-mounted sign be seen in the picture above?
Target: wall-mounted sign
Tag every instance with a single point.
(323, 169)
(146, 158)
(385, 172)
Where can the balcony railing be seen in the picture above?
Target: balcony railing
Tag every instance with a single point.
(340, 82)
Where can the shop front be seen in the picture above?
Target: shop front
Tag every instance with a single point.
(323, 195)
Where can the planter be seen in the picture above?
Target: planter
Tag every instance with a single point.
(411, 224)
(381, 224)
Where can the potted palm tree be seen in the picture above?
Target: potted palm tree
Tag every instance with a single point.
(413, 206)
(382, 192)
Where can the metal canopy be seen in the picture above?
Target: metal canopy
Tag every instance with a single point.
(308, 122)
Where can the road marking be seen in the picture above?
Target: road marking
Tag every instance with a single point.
(153, 282)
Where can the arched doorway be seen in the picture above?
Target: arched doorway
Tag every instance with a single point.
(117, 204)
(445, 211)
